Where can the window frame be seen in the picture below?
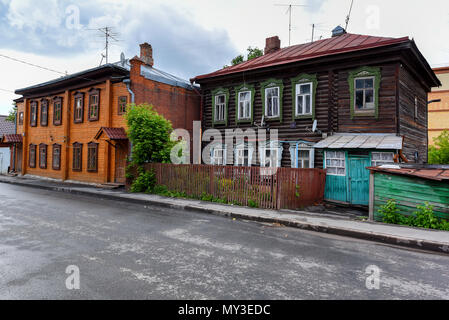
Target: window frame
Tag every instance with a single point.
(78, 97)
(214, 94)
(56, 146)
(365, 109)
(57, 101)
(374, 162)
(33, 113)
(218, 147)
(95, 92)
(44, 116)
(326, 158)
(220, 108)
(272, 102)
(245, 147)
(76, 146)
(121, 110)
(92, 146)
(303, 97)
(272, 146)
(245, 87)
(32, 159)
(304, 78)
(43, 148)
(21, 118)
(272, 84)
(294, 159)
(361, 73)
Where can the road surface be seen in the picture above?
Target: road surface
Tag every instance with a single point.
(127, 251)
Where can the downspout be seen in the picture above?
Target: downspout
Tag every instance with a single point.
(15, 145)
(127, 82)
(201, 117)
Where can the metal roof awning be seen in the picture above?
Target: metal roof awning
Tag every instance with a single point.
(11, 138)
(112, 133)
(361, 141)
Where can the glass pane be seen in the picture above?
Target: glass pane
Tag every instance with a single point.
(275, 106)
(306, 164)
(341, 171)
(247, 109)
(305, 89)
(359, 84)
(369, 83)
(375, 156)
(369, 96)
(308, 105)
(300, 105)
(303, 154)
(359, 99)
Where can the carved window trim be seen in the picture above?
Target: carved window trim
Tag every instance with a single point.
(94, 105)
(56, 157)
(57, 110)
(122, 104)
(43, 156)
(77, 159)
(33, 113)
(92, 157)
(32, 156)
(78, 108)
(44, 112)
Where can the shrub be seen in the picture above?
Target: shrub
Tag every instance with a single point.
(390, 213)
(425, 218)
(252, 204)
(439, 154)
(145, 181)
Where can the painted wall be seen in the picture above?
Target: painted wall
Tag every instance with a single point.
(5, 157)
(439, 111)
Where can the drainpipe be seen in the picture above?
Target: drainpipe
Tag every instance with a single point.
(15, 145)
(127, 82)
(201, 116)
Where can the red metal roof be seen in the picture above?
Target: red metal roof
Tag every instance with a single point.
(341, 44)
(112, 133)
(438, 174)
(12, 138)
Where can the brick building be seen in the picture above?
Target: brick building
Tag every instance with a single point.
(439, 111)
(73, 128)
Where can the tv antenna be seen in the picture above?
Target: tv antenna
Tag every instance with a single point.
(348, 17)
(110, 36)
(289, 11)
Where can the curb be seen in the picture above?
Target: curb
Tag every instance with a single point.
(352, 233)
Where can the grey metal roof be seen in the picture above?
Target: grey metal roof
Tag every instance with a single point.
(164, 77)
(361, 141)
(6, 127)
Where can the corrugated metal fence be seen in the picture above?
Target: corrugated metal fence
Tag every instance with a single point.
(270, 188)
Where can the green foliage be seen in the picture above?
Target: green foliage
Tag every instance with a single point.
(252, 53)
(390, 213)
(298, 193)
(12, 115)
(129, 171)
(439, 154)
(424, 217)
(252, 204)
(149, 133)
(145, 181)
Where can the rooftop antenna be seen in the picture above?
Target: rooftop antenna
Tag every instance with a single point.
(289, 11)
(348, 17)
(109, 36)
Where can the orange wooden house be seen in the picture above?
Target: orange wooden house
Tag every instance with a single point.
(439, 109)
(73, 128)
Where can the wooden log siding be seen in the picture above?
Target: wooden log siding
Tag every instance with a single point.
(286, 189)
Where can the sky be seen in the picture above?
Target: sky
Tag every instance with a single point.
(191, 37)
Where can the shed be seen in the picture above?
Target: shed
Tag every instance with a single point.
(410, 186)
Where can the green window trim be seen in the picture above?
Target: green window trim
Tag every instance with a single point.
(362, 73)
(217, 92)
(272, 83)
(304, 78)
(240, 88)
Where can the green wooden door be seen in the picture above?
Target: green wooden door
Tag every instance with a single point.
(359, 180)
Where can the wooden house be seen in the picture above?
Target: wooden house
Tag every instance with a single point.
(74, 127)
(367, 96)
(439, 108)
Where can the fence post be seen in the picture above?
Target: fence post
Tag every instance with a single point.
(211, 180)
(278, 188)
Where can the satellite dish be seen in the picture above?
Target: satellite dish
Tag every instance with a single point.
(122, 59)
(315, 124)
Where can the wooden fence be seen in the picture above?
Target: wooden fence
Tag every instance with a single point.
(270, 188)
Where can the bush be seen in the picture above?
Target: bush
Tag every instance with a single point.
(439, 154)
(425, 218)
(390, 213)
(145, 181)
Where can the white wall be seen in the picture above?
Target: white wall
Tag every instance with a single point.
(5, 158)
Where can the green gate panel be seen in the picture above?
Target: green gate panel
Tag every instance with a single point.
(336, 188)
(359, 180)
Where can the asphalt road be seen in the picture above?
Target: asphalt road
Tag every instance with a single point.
(128, 251)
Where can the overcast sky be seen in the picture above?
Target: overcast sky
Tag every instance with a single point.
(192, 37)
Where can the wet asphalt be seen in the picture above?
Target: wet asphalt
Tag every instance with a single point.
(128, 251)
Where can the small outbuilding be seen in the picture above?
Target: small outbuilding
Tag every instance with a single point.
(410, 186)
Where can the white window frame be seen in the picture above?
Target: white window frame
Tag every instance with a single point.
(326, 158)
(238, 157)
(272, 99)
(275, 146)
(374, 163)
(303, 96)
(213, 159)
(248, 116)
(365, 108)
(220, 106)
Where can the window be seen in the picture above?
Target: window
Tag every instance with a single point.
(271, 154)
(79, 108)
(92, 157)
(33, 114)
(94, 104)
(218, 155)
(336, 163)
(20, 118)
(364, 85)
(122, 103)
(243, 157)
(220, 100)
(272, 102)
(220, 107)
(57, 111)
(56, 162)
(270, 158)
(44, 112)
(304, 99)
(244, 100)
(304, 159)
(43, 156)
(364, 94)
(77, 156)
(244, 105)
(381, 158)
(302, 155)
(32, 156)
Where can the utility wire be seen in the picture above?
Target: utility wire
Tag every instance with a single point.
(31, 64)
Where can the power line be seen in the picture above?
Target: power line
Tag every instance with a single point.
(31, 64)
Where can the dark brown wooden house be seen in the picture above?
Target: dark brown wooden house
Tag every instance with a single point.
(366, 95)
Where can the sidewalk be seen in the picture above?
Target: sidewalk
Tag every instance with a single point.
(432, 240)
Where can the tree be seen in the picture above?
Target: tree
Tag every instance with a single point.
(12, 115)
(149, 133)
(439, 154)
(252, 53)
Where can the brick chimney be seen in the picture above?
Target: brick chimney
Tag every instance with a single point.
(146, 54)
(272, 44)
